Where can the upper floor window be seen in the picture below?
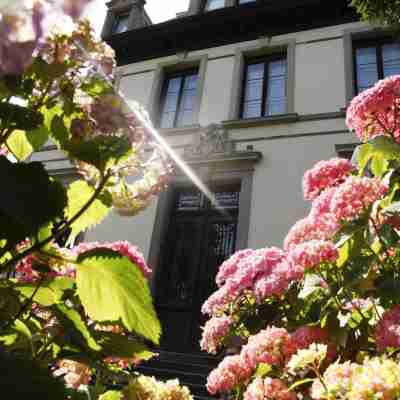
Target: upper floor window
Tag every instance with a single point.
(264, 89)
(373, 61)
(214, 4)
(121, 23)
(179, 100)
(245, 1)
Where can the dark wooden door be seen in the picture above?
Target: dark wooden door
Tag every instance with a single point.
(199, 238)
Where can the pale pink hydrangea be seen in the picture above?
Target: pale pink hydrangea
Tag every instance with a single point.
(122, 247)
(387, 333)
(268, 389)
(355, 195)
(323, 227)
(311, 254)
(375, 111)
(229, 267)
(213, 332)
(218, 301)
(231, 372)
(272, 346)
(321, 205)
(337, 379)
(324, 175)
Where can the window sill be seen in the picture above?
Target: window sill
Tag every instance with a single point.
(253, 122)
(184, 130)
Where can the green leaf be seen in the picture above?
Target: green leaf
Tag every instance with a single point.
(19, 145)
(115, 345)
(379, 166)
(20, 218)
(21, 328)
(112, 395)
(112, 288)
(312, 283)
(38, 137)
(385, 147)
(18, 117)
(49, 293)
(79, 192)
(263, 370)
(300, 383)
(364, 154)
(58, 130)
(74, 324)
(394, 208)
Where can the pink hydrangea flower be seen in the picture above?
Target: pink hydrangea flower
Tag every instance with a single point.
(218, 301)
(310, 254)
(229, 267)
(213, 332)
(231, 372)
(387, 333)
(272, 346)
(355, 195)
(324, 175)
(323, 227)
(268, 389)
(321, 205)
(122, 247)
(374, 112)
(75, 373)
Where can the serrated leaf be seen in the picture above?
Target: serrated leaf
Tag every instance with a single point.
(73, 322)
(79, 192)
(379, 166)
(19, 145)
(112, 288)
(49, 292)
(20, 218)
(115, 345)
(112, 395)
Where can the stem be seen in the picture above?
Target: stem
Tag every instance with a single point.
(39, 245)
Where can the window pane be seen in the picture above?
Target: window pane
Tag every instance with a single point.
(214, 4)
(367, 69)
(246, 1)
(391, 59)
(276, 95)
(121, 24)
(171, 102)
(252, 109)
(188, 101)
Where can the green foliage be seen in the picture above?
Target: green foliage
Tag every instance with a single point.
(13, 117)
(111, 288)
(112, 395)
(79, 192)
(21, 378)
(20, 218)
(386, 12)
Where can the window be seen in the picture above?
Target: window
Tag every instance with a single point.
(214, 4)
(264, 87)
(179, 100)
(120, 23)
(374, 61)
(245, 1)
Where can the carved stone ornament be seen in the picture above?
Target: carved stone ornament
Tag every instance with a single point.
(212, 140)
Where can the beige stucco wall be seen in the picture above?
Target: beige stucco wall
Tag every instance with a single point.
(288, 148)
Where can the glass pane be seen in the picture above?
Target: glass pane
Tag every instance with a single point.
(252, 109)
(246, 1)
(253, 90)
(391, 59)
(227, 199)
(255, 71)
(167, 120)
(214, 4)
(189, 201)
(367, 69)
(174, 85)
(276, 95)
(121, 24)
(170, 102)
(188, 101)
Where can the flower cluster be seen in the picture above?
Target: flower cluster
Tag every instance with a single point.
(387, 333)
(229, 373)
(324, 175)
(312, 357)
(309, 255)
(376, 378)
(148, 388)
(355, 195)
(213, 332)
(374, 112)
(74, 373)
(268, 389)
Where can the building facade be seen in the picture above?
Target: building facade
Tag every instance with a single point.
(250, 94)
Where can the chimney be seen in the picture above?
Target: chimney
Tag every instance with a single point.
(130, 13)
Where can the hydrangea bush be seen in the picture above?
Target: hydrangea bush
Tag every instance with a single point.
(320, 319)
(74, 319)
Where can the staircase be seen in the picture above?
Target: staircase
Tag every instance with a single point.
(190, 369)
